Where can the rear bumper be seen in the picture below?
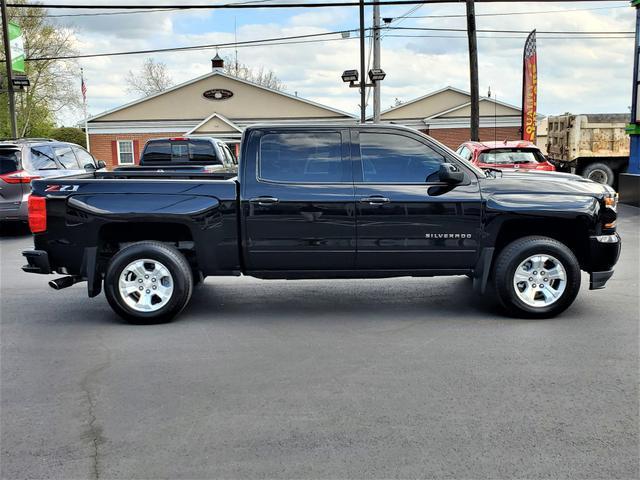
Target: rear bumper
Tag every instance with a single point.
(21, 213)
(38, 262)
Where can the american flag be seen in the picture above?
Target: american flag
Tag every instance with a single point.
(83, 87)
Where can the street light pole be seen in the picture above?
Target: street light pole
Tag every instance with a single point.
(363, 74)
(7, 56)
(473, 68)
(376, 62)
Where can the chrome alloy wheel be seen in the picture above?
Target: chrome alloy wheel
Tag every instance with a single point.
(540, 280)
(146, 285)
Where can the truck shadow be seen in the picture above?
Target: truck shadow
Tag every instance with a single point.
(427, 298)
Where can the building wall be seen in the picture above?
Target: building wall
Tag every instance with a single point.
(453, 137)
(103, 146)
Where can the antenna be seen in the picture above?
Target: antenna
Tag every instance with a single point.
(235, 34)
(495, 115)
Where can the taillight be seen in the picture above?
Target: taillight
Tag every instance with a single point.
(37, 214)
(19, 176)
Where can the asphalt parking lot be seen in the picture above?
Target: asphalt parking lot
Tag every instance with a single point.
(402, 378)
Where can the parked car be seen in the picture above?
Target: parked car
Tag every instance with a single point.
(188, 151)
(516, 155)
(329, 201)
(24, 160)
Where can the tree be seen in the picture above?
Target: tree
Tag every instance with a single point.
(69, 134)
(55, 84)
(152, 78)
(261, 76)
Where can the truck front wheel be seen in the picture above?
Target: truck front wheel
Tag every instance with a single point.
(536, 277)
(599, 172)
(148, 282)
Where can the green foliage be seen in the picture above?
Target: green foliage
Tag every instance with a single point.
(69, 134)
(55, 84)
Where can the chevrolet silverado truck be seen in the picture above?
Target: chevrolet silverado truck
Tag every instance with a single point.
(325, 201)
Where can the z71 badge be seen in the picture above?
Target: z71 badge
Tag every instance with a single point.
(62, 188)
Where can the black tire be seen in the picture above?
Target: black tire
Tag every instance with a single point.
(599, 172)
(517, 252)
(168, 256)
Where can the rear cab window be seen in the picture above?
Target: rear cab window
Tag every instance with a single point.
(303, 157)
(191, 151)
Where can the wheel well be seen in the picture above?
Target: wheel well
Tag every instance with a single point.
(113, 236)
(573, 233)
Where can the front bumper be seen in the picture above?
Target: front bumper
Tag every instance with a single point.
(38, 262)
(597, 280)
(604, 251)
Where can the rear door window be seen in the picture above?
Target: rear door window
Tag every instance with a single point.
(42, 158)
(303, 157)
(9, 161)
(66, 157)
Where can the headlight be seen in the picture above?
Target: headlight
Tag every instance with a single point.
(611, 201)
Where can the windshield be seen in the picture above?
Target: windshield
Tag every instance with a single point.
(506, 156)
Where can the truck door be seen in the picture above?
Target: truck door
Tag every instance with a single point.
(406, 218)
(298, 200)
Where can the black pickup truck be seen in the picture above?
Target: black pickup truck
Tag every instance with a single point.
(329, 201)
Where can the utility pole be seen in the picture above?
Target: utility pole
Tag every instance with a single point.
(376, 62)
(7, 56)
(363, 73)
(473, 69)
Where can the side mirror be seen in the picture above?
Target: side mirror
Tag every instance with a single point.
(102, 164)
(450, 173)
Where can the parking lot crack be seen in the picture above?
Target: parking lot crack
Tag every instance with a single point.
(94, 430)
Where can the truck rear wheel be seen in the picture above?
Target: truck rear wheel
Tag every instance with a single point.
(148, 282)
(536, 277)
(599, 172)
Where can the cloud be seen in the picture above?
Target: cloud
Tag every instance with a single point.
(575, 75)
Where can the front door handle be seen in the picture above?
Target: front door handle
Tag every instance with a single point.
(375, 200)
(264, 201)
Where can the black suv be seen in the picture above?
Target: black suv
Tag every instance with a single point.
(26, 159)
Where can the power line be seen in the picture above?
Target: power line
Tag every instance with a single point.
(557, 32)
(281, 41)
(126, 12)
(538, 12)
(253, 5)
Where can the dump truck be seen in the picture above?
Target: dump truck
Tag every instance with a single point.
(594, 146)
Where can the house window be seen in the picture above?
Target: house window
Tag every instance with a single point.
(125, 152)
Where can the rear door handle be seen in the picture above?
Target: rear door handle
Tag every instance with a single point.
(264, 201)
(375, 200)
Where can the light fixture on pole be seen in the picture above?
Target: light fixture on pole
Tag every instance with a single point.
(351, 77)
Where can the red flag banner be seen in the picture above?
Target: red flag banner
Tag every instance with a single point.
(530, 89)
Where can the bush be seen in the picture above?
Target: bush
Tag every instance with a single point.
(69, 134)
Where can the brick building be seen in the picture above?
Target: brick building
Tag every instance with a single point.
(445, 115)
(221, 105)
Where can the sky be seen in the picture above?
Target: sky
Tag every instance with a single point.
(575, 75)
